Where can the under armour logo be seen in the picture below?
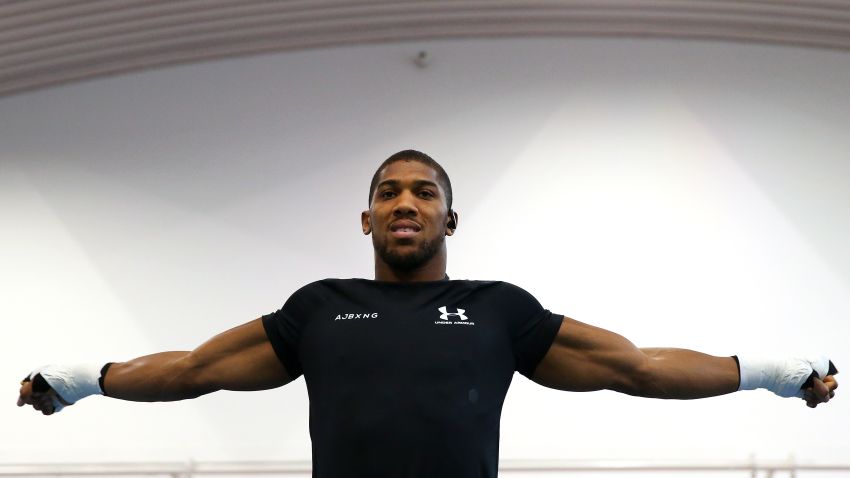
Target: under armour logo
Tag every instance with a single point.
(445, 314)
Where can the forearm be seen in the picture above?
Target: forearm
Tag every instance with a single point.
(241, 358)
(684, 374)
(587, 358)
(584, 358)
(161, 377)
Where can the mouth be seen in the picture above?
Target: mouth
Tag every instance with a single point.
(404, 228)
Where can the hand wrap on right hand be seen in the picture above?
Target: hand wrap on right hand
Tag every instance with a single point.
(71, 383)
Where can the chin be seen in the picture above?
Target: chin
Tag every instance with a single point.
(402, 258)
(404, 262)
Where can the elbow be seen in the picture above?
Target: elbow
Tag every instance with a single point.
(189, 378)
(642, 380)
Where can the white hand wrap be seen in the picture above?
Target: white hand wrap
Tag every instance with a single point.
(71, 383)
(782, 376)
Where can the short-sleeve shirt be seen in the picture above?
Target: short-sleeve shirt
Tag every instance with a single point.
(408, 379)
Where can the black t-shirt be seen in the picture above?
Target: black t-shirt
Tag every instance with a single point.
(408, 379)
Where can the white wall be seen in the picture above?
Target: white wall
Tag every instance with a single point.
(682, 194)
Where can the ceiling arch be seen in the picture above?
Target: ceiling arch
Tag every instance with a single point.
(48, 42)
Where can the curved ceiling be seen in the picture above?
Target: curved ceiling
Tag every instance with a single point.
(47, 42)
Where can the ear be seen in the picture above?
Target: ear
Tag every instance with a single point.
(366, 222)
(451, 223)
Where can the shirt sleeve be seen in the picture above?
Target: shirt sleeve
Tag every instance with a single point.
(533, 328)
(284, 329)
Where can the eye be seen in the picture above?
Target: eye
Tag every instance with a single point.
(426, 194)
(387, 194)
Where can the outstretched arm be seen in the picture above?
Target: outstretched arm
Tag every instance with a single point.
(585, 358)
(241, 358)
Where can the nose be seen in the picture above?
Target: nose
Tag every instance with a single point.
(405, 205)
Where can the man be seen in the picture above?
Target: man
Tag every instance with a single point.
(407, 373)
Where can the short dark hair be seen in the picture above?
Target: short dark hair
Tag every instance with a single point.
(420, 157)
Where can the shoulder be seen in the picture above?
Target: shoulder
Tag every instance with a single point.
(309, 296)
(499, 288)
(314, 291)
(503, 296)
(331, 284)
(308, 289)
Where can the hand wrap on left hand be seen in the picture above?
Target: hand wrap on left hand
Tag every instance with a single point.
(786, 377)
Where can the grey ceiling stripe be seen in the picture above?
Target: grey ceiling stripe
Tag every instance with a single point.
(46, 42)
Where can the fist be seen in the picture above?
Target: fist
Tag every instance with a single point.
(36, 392)
(821, 391)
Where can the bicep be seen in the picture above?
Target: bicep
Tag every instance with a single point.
(241, 358)
(585, 358)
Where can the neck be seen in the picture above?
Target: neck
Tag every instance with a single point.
(433, 270)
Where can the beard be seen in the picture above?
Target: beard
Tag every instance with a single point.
(411, 260)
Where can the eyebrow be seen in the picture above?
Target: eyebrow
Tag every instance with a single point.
(416, 184)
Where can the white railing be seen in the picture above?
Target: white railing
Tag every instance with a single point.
(191, 469)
